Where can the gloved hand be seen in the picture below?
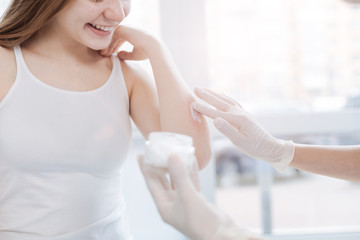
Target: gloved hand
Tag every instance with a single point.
(183, 207)
(243, 129)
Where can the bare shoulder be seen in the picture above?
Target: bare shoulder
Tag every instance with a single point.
(7, 70)
(7, 56)
(136, 76)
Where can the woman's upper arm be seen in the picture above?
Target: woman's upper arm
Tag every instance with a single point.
(7, 71)
(144, 104)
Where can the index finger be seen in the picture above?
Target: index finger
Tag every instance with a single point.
(180, 176)
(208, 110)
(156, 181)
(224, 98)
(212, 99)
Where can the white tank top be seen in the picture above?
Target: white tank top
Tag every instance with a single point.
(61, 154)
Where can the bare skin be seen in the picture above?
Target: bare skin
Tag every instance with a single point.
(341, 162)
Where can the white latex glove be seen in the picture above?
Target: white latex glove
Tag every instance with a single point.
(243, 129)
(183, 207)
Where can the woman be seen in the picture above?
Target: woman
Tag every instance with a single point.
(64, 116)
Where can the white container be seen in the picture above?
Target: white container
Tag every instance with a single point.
(161, 145)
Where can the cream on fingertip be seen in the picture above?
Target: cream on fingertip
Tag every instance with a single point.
(195, 113)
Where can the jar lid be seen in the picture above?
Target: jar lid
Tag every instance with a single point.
(171, 138)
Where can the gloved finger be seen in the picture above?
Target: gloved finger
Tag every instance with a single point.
(179, 175)
(208, 110)
(230, 131)
(213, 100)
(154, 174)
(231, 100)
(238, 120)
(156, 181)
(223, 97)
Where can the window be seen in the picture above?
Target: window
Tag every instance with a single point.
(3, 6)
(283, 59)
(300, 52)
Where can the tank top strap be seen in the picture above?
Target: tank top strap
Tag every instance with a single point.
(120, 78)
(17, 51)
(19, 61)
(18, 54)
(18, 57)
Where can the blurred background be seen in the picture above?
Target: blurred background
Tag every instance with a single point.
(296, 66)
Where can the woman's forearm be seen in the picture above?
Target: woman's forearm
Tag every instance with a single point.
(334, 161)
(175, 98)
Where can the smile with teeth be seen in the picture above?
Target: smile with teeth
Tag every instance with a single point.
(102, 28)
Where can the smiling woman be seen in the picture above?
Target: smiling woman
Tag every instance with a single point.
(67, 106)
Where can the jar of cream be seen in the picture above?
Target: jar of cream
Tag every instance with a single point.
(161, 145)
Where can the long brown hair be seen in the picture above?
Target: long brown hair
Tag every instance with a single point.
(24, 18)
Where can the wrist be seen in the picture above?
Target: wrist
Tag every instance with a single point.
(223, 230)
(232, 232)
(286, 151)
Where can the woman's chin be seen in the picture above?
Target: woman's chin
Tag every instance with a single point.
(98, 47)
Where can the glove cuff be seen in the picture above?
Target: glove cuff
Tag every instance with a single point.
(232, 232)
(288, 151)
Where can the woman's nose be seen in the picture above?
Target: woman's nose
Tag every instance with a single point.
(117, 10)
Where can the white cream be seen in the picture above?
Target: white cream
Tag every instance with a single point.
(163, 144)
(195, 113)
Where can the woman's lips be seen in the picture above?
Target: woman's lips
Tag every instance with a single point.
(103, 31)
